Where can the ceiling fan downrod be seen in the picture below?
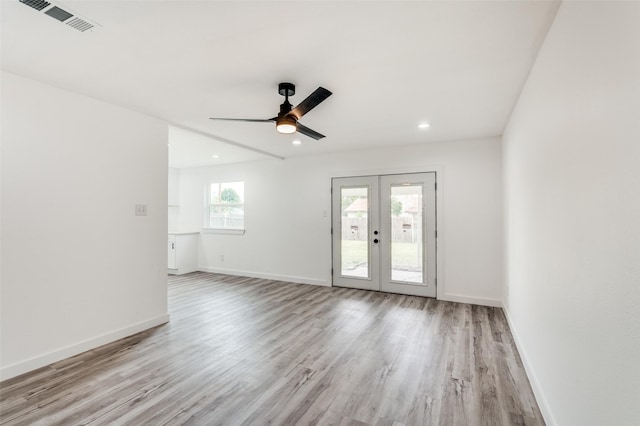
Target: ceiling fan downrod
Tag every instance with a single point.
(286, 122)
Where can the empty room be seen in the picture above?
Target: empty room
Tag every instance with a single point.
(375, 212)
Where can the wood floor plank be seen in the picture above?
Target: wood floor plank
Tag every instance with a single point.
(250, 351)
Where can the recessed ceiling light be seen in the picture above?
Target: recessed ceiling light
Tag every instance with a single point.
(215, 156)
(424, 125)
(297, 142)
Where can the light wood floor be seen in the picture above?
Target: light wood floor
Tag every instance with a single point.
(243, 351)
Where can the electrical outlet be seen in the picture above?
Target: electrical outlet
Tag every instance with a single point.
(222, 258)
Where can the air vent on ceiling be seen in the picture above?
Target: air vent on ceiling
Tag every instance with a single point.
(36, 4)
(79, 24)
(62, 14)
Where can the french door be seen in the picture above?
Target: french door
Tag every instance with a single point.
(384, 233)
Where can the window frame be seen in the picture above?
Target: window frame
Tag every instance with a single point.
(207, 228)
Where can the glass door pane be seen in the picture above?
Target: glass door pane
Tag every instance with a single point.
(354, 206)
(407, 234)
(406, 206)
(355, 212)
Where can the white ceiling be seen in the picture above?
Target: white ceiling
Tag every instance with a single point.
(191, 149)
(390, 65)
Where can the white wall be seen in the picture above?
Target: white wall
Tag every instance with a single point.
(174, 186)
(78, 268)
(288, 213)
(572, 213)
(173, 212)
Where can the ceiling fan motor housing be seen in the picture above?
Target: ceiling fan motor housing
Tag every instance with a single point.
(285, 108)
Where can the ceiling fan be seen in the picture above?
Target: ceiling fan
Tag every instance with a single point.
(287, 119)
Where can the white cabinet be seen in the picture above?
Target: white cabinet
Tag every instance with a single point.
(182, 253)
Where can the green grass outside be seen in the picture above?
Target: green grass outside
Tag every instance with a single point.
(404, 255)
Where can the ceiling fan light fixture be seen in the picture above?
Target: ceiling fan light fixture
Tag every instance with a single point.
(286, 125)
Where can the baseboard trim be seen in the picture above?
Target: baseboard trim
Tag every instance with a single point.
(528, 368)
(286, 278)
(34, 363)
(471, 300)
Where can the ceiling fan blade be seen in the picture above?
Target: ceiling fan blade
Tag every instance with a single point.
(312, 101)
(308, 132)
(251, 120)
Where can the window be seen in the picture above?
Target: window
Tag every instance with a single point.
(226, 206)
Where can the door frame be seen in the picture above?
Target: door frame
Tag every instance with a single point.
(440, 179)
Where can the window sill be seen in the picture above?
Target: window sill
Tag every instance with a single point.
(223, 231)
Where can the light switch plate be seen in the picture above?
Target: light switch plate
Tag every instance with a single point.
(141, 209)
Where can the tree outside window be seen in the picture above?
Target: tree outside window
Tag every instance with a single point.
(226, 205)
